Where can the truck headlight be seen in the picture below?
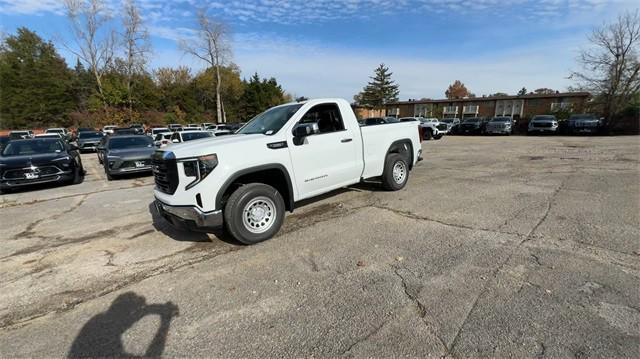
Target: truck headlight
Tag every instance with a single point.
(199, 167)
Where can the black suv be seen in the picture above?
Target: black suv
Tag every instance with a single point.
(39, 160)
(472, 125)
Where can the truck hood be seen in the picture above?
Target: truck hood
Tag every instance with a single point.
(207, 146)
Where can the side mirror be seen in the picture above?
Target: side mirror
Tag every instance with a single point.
(305, 129)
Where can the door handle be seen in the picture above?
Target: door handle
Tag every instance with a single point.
(346, 140)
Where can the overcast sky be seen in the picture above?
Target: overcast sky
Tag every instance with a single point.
(324, 48)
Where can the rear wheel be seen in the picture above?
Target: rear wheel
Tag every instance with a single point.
(396, 172)
(254, 213)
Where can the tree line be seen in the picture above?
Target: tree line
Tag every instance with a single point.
(110, 82)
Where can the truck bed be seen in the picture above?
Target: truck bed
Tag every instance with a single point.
(376, 140)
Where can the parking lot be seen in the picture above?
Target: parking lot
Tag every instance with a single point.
(498, 246)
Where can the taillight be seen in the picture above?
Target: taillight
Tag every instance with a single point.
(420, 133)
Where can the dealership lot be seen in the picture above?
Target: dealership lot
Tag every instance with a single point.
(499, 246)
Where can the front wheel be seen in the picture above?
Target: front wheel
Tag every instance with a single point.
(428, 134)
(396, 172)
(254, 213)
(106, 172)
(437, 137)
(78, 175)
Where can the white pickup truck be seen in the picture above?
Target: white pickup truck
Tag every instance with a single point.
(288, 153)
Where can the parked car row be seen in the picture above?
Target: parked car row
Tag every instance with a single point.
(54, 156)
(430, 128)
(539, 124)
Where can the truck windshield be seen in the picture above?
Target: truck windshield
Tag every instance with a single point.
(270, 121)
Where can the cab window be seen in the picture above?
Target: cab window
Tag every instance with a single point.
(326, 116)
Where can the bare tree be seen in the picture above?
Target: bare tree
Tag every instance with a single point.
(95, 45)
(611, 66)
(136, 46)
(211, 45)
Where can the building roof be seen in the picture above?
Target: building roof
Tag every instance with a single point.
(491, 98)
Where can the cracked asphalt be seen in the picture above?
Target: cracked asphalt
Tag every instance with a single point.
(498, 247)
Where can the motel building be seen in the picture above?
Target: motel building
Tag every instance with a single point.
(525, 106)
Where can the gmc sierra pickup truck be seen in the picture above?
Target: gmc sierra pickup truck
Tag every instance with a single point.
(288, 153)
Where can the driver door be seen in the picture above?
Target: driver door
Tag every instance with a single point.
(327, 159)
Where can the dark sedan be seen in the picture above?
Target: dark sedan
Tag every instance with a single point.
(89, 140)
(126, 154)
(40, 160)
(473, 125)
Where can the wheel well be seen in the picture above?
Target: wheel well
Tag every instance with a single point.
(274, 177)
(403, 147)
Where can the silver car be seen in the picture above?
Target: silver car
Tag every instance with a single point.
(501, 125)
(543, 124)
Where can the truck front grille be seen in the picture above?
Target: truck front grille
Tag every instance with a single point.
(165, 173)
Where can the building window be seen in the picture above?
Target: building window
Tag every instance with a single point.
(561, 106)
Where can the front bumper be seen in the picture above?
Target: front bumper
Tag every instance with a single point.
(469, 130)
(21, 182)
(190, 217)
(585, 129)
(542, 129)
(87, 146)
(498, 131)
(123, 166)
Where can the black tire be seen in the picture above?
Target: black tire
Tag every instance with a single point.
(397, 181)
(106, 172)
(437, 137)
(78, 176)
(248, 230)
(428, 134)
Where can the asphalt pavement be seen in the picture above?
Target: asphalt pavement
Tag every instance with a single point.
(498, 247)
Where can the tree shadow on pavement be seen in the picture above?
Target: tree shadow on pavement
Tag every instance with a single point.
(102, 335)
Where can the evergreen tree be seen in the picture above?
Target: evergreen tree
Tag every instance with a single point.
(83, 86)
(259, 95)
(35, 82)
(380, 90)
(522, 92)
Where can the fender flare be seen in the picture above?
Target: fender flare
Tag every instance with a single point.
(271, 166)
(397, 144)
